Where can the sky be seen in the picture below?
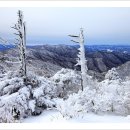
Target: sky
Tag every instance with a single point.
(102, 25)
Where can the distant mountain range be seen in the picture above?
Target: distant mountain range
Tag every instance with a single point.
(89, 48)
(99, 60)
(50, 58)
(117, 48)
(5, 47)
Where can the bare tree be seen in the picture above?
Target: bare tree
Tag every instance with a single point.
(21, 43)
(81, 57)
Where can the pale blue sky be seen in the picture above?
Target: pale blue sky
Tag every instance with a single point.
(52, 25)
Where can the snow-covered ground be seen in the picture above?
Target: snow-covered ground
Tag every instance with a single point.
(55, 116)
(67, 103)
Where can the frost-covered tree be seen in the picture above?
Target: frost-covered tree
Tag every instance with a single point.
(112, 74)
(81, 57)
(21, 42)
(69, 80)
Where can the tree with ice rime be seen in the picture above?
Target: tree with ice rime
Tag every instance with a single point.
(21, 42)
(81, 57)
(112, 74)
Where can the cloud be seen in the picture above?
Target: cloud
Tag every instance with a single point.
(101, 25)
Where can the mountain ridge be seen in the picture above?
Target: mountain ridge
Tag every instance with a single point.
(48, 59)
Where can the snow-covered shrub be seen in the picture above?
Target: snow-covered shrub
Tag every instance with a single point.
(6, 115)
(13, 107)
(31, 105)
(19, 100)
(69, 80)
(2, 70)
(121, 106)
(14, 74)
(45, 102)
(32, 80)
(9, 86)
(109, 96)
(113, 96)
(31, 108)
(82, 102)
(45, 93)
(122, 100)
(112, 74)
(47, 87)
(102, 103)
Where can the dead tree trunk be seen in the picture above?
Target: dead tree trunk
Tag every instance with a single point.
(81, 57)
(21, 43)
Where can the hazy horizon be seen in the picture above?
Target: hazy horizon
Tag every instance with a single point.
(102, 26)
